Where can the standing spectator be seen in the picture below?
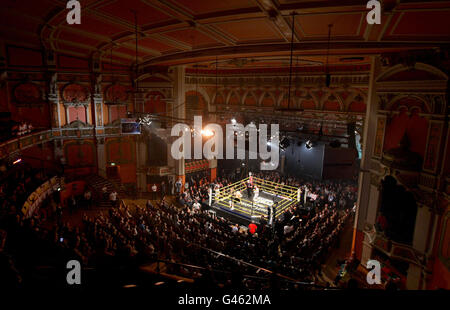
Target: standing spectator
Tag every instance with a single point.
(105, 192)
(252, 228)
(186, 186)
(154, 191)
(88, 198)
(113, 198)
(178, 185)
(163, 189)
(171, 186)
(196, 206)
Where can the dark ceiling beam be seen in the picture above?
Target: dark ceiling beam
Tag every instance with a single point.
(287, 8)
(312, 49)
(278, 22)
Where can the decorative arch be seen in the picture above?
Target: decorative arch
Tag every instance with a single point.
(408, 122)
(356, 102)
(218, 98)
(267, 99)
(233, 98)
(332, 102)
(116, 93)
(200, 90)
(75, 93)
(195, 101)
(250, 99)
(154, 77)
(76, 124)
(422, 72)
(154, 103)
(409, 102)
(283, 100)
(317, 97)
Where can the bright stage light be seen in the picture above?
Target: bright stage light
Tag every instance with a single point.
(309, 144)
(207, 133)
(233, 121)
(146, 120)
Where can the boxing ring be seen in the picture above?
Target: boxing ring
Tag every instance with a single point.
(272, 195)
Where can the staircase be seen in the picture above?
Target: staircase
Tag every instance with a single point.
(97, 183)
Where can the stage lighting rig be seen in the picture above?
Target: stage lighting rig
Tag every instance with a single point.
(284, 143)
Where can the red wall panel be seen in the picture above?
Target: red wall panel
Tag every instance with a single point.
(118, 112)
(416, 128)
(77, 113)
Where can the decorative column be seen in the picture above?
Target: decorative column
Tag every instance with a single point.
(367, 195)
(213, 169)
(212, 117)
(86, 111)
(53, 99)
(97, 122)
(179, 111)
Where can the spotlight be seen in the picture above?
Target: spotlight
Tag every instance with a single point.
(309, 144)
(146, 120)
(284, 143)
(17, 161)
(207, 133)
(233, 121)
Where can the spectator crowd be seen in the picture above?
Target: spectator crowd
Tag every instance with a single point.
(180, 230)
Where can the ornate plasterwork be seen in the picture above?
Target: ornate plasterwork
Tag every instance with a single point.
(116, 94)
(28, 93)
(74, 94)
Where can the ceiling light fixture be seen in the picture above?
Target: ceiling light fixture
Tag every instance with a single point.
(207, 133)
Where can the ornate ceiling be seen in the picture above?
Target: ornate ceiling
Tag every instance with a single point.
(255, 33)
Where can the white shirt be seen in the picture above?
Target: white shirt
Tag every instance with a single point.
(288, 229)
(113, 196)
